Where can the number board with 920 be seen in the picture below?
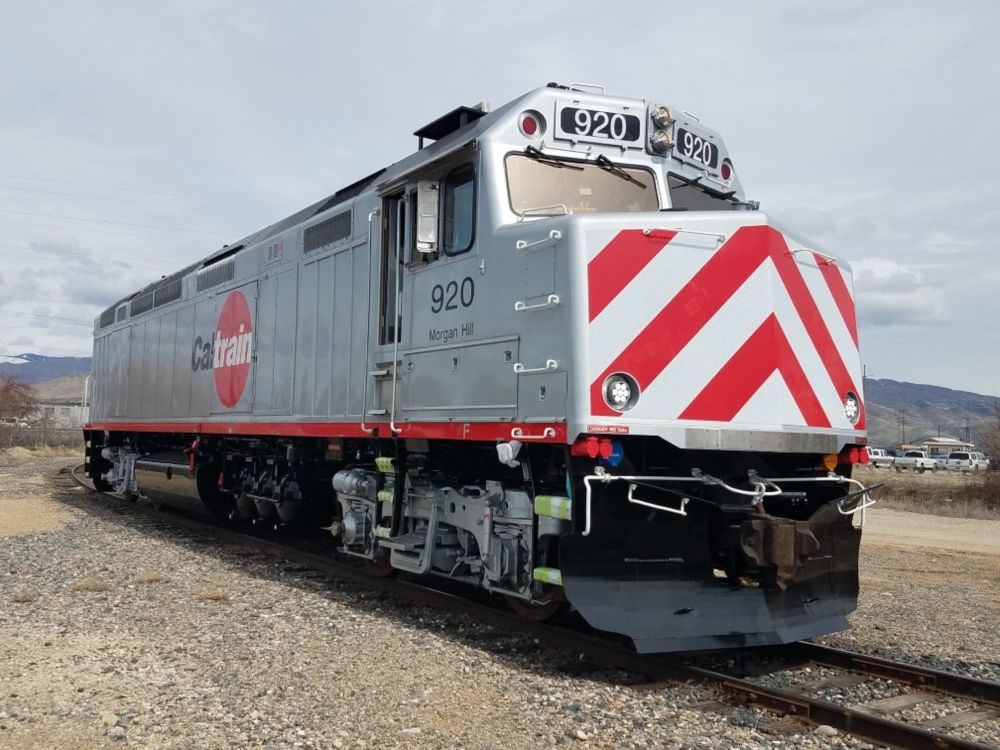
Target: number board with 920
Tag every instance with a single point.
(597, 125)
(696, 148)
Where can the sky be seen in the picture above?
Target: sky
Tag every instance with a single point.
(138, 137)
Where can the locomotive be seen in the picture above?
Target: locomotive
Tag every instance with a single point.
(555, 353)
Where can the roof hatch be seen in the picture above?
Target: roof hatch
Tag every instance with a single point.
(457, 119)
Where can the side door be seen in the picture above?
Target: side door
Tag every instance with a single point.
(382, 386)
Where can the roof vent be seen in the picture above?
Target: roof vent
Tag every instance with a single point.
(444, 125)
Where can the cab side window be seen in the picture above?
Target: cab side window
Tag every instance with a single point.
(459, 204)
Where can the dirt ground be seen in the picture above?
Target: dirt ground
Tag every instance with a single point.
(898, 528)
(116, 633)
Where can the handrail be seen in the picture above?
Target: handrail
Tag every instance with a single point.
(763, 487)
(679, 511)
(554, 236)
(368, 329)
(552, 301)
(550, 364)
(519, 434)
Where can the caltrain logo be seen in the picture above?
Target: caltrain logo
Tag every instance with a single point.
(229, 353)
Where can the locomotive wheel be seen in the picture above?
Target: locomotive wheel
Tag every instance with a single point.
(101, 485)
(381, 567)
(557, 596)
(535, 612)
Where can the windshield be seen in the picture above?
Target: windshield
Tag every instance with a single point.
(689, 196)
(963, 456)
(539, 187)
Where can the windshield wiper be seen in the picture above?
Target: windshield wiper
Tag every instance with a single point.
(552, 161)
(605, 163)
(696, 182)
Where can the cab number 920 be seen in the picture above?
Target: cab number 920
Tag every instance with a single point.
(696, 148)
(453, 295)
(591, 123)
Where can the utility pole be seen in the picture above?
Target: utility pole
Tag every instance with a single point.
(902, 427)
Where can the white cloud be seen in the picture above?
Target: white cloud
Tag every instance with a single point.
(891, 294)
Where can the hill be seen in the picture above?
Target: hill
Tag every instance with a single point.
(924, 411)
(37, 368)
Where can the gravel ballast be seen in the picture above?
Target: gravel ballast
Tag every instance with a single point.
(119, 631)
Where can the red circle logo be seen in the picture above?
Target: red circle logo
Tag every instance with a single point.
(232, 349)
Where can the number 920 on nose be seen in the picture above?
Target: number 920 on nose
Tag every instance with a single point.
(578, 124)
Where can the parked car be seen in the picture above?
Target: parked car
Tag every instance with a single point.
(967, 461)
(878, 458)
(940, 461)
(917, 461)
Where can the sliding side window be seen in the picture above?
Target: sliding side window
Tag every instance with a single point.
(459, 226)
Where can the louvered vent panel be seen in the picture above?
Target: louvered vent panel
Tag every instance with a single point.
(167, 292)
(327, 232)
(142, 303)
(216, 274)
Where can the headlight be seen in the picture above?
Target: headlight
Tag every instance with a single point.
(661, 141)
(662, 116)
(621, 391)
(852, 408)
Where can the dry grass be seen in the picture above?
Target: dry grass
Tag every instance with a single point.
(20, 454)
(148, 576)
(23, 596)
(213, 595)
(90, 584)
(959, 495)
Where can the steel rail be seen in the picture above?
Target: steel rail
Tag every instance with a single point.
(784, 701)
(949, 683)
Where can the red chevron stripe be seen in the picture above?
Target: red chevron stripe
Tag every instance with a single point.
(841, 295)
(703, 296)
(691, 308)
(619, 262)
(812, 319)
(746, 371)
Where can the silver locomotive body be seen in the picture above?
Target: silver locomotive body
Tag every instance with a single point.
(555, 353)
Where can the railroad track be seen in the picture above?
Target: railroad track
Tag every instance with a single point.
(794, 704)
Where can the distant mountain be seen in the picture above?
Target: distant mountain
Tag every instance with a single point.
(37, 368)
(924, 411)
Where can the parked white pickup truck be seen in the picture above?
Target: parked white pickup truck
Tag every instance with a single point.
(878, 458)
(917, 461)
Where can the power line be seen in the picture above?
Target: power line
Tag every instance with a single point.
(140, 190)
(109, 221)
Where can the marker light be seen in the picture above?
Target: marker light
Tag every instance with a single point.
(727, 170)
(621, 392)
(661, 141)
(587, 446)
(853, 454)
(531, 123)
(852, 408)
